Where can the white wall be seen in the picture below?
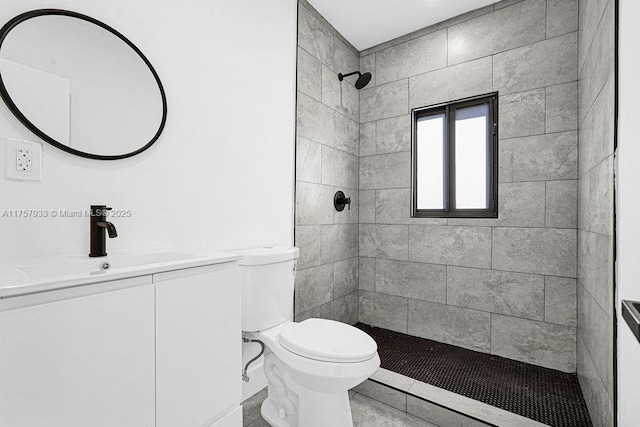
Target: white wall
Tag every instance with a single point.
(628, 210)
(221, 176)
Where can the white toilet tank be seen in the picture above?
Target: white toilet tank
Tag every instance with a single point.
(268, 278)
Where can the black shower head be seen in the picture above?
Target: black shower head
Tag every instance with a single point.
(363, 79)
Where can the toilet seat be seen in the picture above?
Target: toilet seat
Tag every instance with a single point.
(328, 341)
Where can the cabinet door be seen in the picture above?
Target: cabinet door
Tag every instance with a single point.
(79, 357)
(198, 345)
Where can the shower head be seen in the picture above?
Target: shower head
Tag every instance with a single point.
(363, 79)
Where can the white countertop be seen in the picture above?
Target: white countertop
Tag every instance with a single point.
(27, 276)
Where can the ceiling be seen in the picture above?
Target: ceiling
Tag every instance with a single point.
(366, 23)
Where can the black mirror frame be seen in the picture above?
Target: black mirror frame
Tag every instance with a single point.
(33, 128)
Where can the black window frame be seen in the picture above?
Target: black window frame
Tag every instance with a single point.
(449, 167)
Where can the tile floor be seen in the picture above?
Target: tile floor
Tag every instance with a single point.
(366, 413)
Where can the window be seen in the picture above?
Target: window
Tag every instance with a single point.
(455, 159)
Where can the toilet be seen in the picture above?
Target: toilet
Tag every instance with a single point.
(310, 366)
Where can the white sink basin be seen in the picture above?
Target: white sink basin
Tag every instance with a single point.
(21, 277)
(77, 266)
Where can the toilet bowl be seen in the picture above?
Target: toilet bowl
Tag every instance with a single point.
(311, 365)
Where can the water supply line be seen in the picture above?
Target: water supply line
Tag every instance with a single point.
(245, 377)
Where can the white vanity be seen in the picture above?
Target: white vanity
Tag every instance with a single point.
(153, 340)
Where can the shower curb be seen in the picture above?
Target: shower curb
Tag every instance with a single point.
(436, 405)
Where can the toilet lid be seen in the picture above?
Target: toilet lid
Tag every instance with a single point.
(328, 341)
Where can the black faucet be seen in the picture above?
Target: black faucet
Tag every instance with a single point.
(99, 224)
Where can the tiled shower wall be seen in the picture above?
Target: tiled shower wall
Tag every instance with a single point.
(504, 286)
(595, 219)
(326, 161)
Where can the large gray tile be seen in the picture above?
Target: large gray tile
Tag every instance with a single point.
(391, 170)
(314, 287)
(259, 422)
(344, 309)
(535, 250)
(589, 17)
(315, 120)
(505, 163)
(367, 206)
(393, 135)
(308, 239)
(596, 266)
(308, 161)
(583, 202)
(522, 114)
(439, 415)
(471, 78)
(520, 204)
(314, 204)
(538, 343)
(560, 301)
(562, 204)
(562, 107)
(393, 206)
(251, 407)
(383, 311)
(367, 274)
(384, 241)
(602, 345)
(315, 37)
(383, 101)
(370, 413)
(505, 3)
(599, 63)
(368, 139)
(383, 394)
(341, 96)
(413, 57)
(339, 169)
(562, 17)
(463, 246)
(504, 29)
(309, 75)
(344, 60)
(385, 45)
(368, 65)
(595, 394)
(545, 63)
(597, 130)
(451, 325)
(540, 158)
(583, 313)
(601, 197)
(514, 294)
(347, 134)
(412, 280)
(345, 277)
(339, 242)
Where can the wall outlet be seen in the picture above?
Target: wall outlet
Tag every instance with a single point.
(23, 160)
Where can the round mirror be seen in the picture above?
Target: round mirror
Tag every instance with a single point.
(80, 85)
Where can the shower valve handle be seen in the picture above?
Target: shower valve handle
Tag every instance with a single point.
(340, 200)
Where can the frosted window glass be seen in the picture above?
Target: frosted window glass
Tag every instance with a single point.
(471, 153)
(430, 161)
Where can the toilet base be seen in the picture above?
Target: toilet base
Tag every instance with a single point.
(319, 410)
(270, 414)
